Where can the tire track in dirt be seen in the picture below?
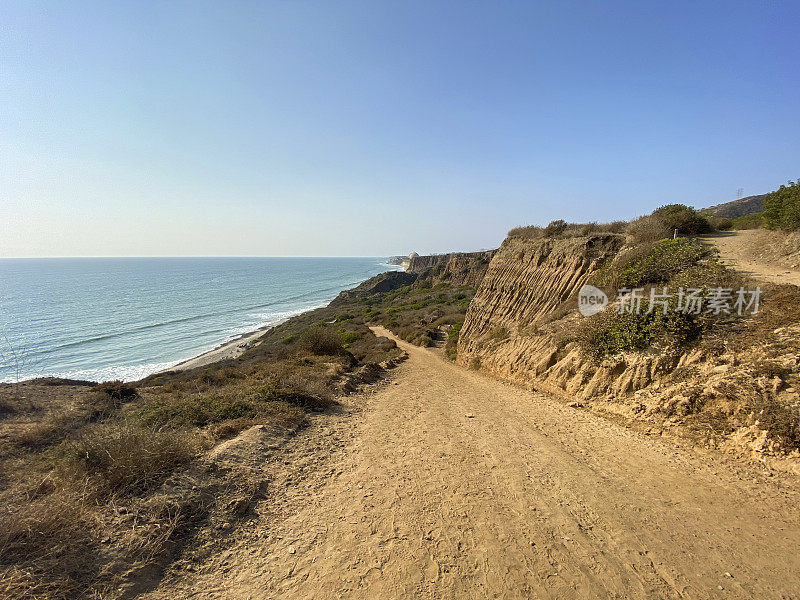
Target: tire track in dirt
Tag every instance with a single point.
(455, 485)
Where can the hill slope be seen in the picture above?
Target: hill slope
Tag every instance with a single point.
(737, 208)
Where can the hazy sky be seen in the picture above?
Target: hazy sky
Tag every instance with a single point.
(374, 128)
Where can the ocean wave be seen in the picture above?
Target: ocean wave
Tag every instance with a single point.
(150, 326)
(125, 373)
(130, 333)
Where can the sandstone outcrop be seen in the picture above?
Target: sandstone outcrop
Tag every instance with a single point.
(517, 326)
(456, 268)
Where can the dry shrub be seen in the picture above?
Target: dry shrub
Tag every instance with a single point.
(647, 230)
(216, 376)
(769, 368)
(274, 412)
(527, 232)
(276, 399)
(116, 390)
(321, 341)
(779, 307)
(742, 404)
(6, 406)
(498, 333)
(50, 430)
(721, 223)
(123, 458)
(555, 228)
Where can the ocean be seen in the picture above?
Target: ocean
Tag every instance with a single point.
(124, 318)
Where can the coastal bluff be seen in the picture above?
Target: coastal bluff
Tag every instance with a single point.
(456, 268)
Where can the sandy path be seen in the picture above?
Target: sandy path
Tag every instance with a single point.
(454, 485)
(735, 249)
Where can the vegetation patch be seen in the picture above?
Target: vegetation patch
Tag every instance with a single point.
(782, 207)
(754, 221)
(662, 261)
(685, 219)
(610, 333)
(123, 457)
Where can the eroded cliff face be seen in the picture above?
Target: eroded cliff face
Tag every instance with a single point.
(518, 328)
(529, 285)
(457, 268)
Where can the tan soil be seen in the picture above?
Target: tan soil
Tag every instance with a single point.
(758, 254)
(444, 483)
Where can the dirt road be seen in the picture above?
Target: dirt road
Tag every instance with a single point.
(449, 484)
(736, 250)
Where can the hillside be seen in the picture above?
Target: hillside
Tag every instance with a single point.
(737, 208)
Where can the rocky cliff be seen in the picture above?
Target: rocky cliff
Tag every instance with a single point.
(521, 327)
(457, 268)
(528, 285)
(380, 284)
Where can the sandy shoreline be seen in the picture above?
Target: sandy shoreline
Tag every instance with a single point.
(232, 349)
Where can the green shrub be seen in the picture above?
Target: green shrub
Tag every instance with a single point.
(609, 333)
(665, 259)
(753, 221)
(721, 223)
(706, 275)
(683, 218)
(348, 337)
(782, 207)
(451, 346)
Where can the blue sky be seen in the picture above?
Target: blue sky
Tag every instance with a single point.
(374, 128)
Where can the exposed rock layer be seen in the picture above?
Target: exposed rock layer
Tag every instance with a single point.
(457, 268)
(518, 328)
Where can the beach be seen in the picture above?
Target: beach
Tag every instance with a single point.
(125, 318)
(233, 349)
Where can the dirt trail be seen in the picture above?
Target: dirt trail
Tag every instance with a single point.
(454, 485)
(735, 249)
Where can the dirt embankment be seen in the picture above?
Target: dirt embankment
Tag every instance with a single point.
(446, 483)
(732, 386)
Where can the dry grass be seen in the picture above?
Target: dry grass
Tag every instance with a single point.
(48, 548)
(645, 230)
(562, 229)
(125, 458)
